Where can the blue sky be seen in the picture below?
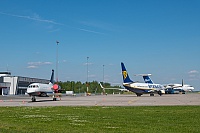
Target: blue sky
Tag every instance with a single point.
(158, 37)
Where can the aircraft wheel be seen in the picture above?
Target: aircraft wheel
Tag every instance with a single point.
(43, 94)
(33, 99)
(151, 94)
(54, 99)
(159, 93)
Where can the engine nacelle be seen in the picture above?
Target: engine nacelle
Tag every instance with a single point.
(55, 87)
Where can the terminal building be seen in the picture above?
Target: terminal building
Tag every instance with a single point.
(16, 85)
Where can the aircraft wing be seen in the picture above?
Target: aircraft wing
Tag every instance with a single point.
(121, 89)
(116, 89)
(112, 88)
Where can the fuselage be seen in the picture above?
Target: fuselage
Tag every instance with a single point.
(39, 89)
(143, 87)
(179, 87)
(188, 88)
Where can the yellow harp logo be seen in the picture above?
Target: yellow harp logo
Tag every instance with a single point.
(124, 74)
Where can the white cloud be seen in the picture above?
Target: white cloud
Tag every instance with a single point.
(32, 67)
(193, 75)
(193, 72)
(64, 61)
(37, 64)
(92, 76)
(87, 64)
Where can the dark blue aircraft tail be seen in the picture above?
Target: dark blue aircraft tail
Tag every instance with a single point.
(52, 77)
(125, 76)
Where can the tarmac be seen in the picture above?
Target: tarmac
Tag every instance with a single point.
(105, 100)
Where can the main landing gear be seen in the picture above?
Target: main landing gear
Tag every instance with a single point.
(33, 99)
(151, 94)
(160, 93)
(54, 99)
(54, 96)
(138, 95)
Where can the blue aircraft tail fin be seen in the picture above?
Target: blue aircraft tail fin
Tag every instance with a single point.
(147, 79)
(182, 83)
(126, 78)
(52, 77)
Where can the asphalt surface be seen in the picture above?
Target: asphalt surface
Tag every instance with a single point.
(103, 100)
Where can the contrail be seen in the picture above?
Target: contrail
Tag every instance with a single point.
(31, 18)
(89, 31)
(48, 21)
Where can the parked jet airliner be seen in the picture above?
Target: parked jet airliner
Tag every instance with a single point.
(170, 88)
(43, 90)
(140, 88)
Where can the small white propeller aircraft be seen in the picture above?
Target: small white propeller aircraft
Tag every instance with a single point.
(179, 87)
(43, 90)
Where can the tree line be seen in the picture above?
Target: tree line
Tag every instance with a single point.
(92, 87)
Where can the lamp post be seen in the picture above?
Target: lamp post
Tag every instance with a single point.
(87, 74)
(103, 73)
(57, 61)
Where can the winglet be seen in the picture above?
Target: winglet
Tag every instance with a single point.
(126, 78)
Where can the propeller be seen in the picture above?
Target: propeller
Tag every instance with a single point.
(55, 87)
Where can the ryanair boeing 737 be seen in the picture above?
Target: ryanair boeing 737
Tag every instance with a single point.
(140, 88)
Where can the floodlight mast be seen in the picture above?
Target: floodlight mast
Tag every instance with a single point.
(57, 42)
(87, 74)
(103, 73)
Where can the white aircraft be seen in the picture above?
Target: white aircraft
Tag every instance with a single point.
(171, 88)
(140, 88)
(111, 88)
(43, 90)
